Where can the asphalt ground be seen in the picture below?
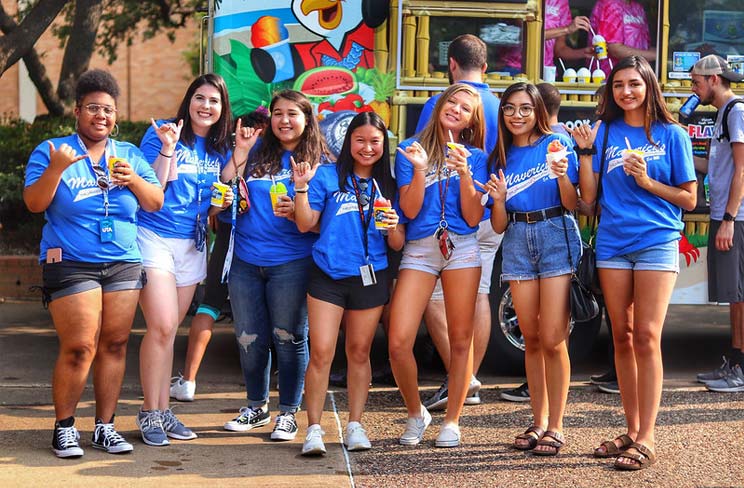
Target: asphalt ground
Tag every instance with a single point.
(699, 435)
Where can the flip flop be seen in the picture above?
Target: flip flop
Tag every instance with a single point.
(643, 458)
(531, 439)
(611, 449)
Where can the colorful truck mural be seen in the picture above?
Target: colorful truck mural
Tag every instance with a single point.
(323, 48)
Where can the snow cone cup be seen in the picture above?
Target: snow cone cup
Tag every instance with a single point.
(584, 75)
(112, 164)
(556, 152)
(275, 192)
(625, 155)
(569, 75)
(381, 207)
(218, 194)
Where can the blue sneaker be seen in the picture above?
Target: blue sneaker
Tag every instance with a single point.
(174, 428)
(150, 424)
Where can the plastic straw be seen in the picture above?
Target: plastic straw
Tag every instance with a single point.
(562, 65)
(627, 143)
(452, 139)
(592, 30)
(591, 63)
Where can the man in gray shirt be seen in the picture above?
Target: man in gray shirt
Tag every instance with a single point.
(711, 81)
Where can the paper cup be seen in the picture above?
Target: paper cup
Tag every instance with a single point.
(112, 164)
(551, 157)
(218, 194)
(549, 74)
(275, 198)
(380, 216)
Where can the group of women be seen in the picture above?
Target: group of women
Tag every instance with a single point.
(309, 251)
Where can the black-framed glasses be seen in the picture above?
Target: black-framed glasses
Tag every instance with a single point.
(524, 110)
(96, 108)
(101, 177)
(363, 197)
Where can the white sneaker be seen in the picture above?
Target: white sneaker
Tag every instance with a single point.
(355, 438)
(182, 390)
(415, 428)
(473, 396)
(313, 445)
(449, 435)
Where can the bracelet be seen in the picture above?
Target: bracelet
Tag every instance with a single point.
(165, 155)
(301, 190)
(589, 151)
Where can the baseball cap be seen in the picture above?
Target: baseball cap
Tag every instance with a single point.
(713, 64)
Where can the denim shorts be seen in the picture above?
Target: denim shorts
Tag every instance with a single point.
(71, 277)
(661, 257)
(538, 250)
(424, 255)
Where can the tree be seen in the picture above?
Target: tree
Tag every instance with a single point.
(87, 26)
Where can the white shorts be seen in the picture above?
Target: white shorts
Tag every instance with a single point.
(178, 257)
(489, 242)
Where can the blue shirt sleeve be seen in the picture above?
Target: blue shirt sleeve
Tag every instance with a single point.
(426, 112)
(403, 167)
(683, 168)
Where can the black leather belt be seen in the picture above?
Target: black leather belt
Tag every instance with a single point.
(537, 215)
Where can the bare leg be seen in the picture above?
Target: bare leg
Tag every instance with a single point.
(481, 330)
(360, 332)
(435, 317)
(200, 333)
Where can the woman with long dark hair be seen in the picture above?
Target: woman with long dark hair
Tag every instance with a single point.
(643, 160)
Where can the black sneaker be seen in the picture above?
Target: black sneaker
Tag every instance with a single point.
(107, 439)
(611, 387)
(285, 427)
(249, 418)
(608, 377)
(518, 394)
(438, 401)
(65, 439)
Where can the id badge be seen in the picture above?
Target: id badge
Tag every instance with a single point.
(446, 246)
(367, 272)
(106, 227)
(200, 236)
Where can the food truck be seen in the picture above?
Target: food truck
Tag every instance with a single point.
(391, 56)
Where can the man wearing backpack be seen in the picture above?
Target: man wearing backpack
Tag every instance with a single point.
(711, 82)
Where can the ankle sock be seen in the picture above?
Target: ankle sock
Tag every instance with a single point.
(68, 422)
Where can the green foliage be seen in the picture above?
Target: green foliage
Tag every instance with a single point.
(21, 230)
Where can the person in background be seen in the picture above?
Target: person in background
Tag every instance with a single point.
(624, 26)
(637, 252)
(532, 200)
(443, 208)
(341, 199)
(467, 63)
(271, 263)
(187, 154)
(92, 268)
(711, 81)
(183, 386)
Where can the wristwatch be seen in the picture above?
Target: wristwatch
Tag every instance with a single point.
(728, 217)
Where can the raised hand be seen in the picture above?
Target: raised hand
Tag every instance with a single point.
(495, 186)
(579, 22)
(302, 173)
(416, 155)
(245, 137)
(168, 133)
(585, 135)
(63, 157)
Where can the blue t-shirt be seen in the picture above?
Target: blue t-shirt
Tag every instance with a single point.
(528, 183)
(73, 218)
(490, 113)
(339, 251)
(196, 168)
(632, 218)
(427, 220)
(261, 238)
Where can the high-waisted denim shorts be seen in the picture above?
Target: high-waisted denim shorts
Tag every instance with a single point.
(661, 257)
(539, 250)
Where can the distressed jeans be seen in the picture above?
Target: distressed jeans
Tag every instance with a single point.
(269, 307)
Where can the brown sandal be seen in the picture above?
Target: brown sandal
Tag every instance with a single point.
(611, 449)
(556, 442)
(532, 436)
(643, 458)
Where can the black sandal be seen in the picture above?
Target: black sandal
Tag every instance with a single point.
(556, 442)
(532, 436)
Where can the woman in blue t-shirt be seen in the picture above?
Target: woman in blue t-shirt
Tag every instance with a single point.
(349, 276)
(187, 154)
(443, 208)
(643, 163)
(92, 268)
(532, 195)
(271, 261)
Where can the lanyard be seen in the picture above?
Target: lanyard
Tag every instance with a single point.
(365, 220)
(93, 167)
(442, 194)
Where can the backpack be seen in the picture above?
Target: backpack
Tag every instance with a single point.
(724, 121)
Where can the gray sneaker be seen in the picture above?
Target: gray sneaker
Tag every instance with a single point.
(150, 424)
(438, 401)
(731, 383)
(174, 428)
(717, 374)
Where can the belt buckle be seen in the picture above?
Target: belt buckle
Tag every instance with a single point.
(529, 220)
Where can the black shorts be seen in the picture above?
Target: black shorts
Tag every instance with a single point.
(726, 268)
(393, 258)
(215, 291)
(349, 293)
(70, 277)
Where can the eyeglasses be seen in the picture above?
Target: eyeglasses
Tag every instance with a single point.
(363, 198)
(96, 108)
(524, 110)
(101, 178)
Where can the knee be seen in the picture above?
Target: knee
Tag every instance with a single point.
(399, 350)
(623, 340)
(646, 342)
(552, 348)
(246, 342)
(287, 338)
(531, 341)
(115, 347)
(78, 355)
(321, 357)
(357, 353)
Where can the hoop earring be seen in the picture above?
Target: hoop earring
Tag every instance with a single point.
(76, 125)
(466, 134)
(115, 132)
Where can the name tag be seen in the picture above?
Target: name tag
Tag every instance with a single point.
(106, 227)
(367, 272)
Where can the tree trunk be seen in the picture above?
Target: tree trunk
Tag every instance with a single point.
(80, 46)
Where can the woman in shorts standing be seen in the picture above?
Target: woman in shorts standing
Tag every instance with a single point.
(92, 267)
